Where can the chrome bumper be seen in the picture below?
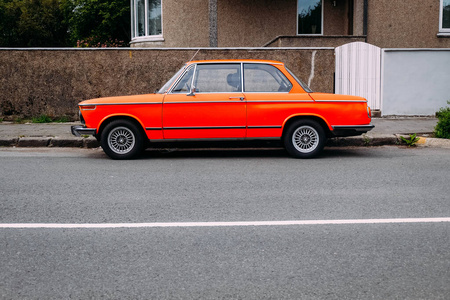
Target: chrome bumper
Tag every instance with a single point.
(79, 130)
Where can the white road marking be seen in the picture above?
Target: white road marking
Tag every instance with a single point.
(218, 224)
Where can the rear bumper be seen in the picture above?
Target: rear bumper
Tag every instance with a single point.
(79, 130)
(341, 131)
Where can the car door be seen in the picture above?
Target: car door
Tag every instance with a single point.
(206, 103)
(269, 100)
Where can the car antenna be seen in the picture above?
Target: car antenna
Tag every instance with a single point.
(194, 55)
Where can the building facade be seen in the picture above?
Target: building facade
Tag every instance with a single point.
(290, 23)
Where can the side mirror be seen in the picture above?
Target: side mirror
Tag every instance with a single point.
(192, 92)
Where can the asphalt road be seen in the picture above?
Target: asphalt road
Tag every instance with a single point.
(321, 261)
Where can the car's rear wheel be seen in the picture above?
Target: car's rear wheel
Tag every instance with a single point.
(122, 139)
(304, 139)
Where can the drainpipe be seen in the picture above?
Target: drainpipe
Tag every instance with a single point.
(366, 4)
(212, 23)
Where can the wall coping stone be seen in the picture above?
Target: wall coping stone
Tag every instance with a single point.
(167, 49)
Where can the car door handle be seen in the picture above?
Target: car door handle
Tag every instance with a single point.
(240, 98)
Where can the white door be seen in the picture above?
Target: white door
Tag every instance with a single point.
(358, 72)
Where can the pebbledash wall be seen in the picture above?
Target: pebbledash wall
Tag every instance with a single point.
(52, 81)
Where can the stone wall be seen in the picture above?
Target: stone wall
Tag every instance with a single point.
(51, 82)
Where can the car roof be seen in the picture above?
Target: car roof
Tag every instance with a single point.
(261, 61)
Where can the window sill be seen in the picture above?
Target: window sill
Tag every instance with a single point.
(147, 39)
(310, 34)
(443, 35)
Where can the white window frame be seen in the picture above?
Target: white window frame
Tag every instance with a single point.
(442, 30)
(321, 25)
(134, 24)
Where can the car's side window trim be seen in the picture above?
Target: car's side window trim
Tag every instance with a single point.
(193, 87)
(167, 86)
(304, 86)
(194, 77)
(282, 79)
(242, 77)
(242, 80)
(187, 69)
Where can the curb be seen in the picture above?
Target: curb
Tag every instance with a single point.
(433, 142)
(364, 141)
(354, 141)
(35, 142)
(427, 141)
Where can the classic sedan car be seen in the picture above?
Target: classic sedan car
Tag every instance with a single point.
(225, 100)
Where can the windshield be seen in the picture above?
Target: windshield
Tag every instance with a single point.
(304, 85)
(169, 83)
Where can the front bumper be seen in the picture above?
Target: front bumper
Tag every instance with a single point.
(342, 131)
(79, 130)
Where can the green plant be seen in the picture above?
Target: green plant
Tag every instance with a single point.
(366, 140)
(41, 119)
(413, 139)
(63, 119)
(96, 42)
(442, 129)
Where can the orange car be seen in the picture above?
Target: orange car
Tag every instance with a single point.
(225, 100)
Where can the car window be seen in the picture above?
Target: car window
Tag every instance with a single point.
(169, 83)
(265, 78)
(218, 78)
(304, 85)
(184, 84)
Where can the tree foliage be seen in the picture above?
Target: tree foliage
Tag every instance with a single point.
(64, 23)
(99, 22)
(32, 23)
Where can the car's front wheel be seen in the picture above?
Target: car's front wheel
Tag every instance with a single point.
(304, 139)
(122, 139)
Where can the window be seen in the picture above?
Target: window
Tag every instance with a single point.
(444, 17)
(264, 78)
(309, 16)
(299, 81)
(146, 22)
(218, 78)
(169, 83)
(184, 85)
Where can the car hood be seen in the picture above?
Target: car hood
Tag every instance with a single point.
(148, 98)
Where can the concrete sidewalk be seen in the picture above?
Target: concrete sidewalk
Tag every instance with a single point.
(386, 132)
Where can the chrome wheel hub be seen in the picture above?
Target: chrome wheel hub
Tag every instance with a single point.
(305, 139)
(121, 140)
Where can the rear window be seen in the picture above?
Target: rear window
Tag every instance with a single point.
(265, 78)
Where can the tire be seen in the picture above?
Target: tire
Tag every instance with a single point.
(122, 139)
(304, 139)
